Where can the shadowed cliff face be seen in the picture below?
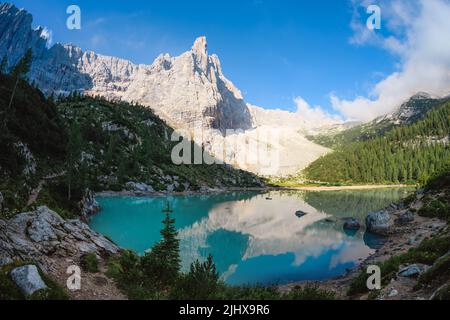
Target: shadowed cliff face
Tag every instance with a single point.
(53, 69)
(189, 91)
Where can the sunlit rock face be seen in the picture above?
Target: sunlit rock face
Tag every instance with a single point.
(189, 92)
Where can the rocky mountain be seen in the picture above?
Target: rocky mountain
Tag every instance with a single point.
(412, 110)
(188, 91)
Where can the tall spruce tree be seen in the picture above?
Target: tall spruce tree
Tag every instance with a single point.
(74, 149)
(20, 71)
(4, 66)
(162, 264)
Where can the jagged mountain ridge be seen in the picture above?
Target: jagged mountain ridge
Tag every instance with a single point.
(188, 91)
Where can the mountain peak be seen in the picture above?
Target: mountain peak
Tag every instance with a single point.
(421, 96)
(200, 46)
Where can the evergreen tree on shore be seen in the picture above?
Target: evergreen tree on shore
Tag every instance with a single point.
(162, 264)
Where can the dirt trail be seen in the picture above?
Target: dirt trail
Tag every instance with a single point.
(35, 192)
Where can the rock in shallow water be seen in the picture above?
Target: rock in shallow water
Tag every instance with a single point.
(379, 222)
(351, 224)
(28, 279)
(300, 214)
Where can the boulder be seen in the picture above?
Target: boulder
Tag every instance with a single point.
(42, 236)
(413, 270)
(379, 223)
(89, 206)
(351, 224)
(1, 201)
(405, 218)
(28, 279)
(5, 260)
(139, 186)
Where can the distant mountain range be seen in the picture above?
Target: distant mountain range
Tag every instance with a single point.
(413, 110)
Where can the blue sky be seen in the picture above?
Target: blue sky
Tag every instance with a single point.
(273, 51)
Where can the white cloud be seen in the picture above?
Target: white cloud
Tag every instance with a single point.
(314, 115)
(420, 32)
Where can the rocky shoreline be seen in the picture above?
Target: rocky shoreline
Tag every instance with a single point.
(402, 236)
(53, 244)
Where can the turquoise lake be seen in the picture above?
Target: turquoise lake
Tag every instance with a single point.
(254, 240)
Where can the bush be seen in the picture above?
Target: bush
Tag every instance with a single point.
(439, 271)
(310, 293)
(89, 263)
(443, 293)
(436, 209)
(201, 283)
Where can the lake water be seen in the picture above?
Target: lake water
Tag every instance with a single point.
(254, 240)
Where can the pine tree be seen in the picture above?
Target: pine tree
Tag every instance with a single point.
(20, 71)
(74, 148)
(4, 66)
(162, 264)
(23, 67)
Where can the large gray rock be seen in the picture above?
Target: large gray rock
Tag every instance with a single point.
(139, 186)
(42, 235)
(413, 270)
(28, 279)
(379, 223)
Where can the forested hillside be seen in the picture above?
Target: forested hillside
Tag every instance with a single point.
(82, 143)
(413, 110)
(408, 153)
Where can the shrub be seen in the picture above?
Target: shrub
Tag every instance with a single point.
(439, 271)
(89, 263)
(201, 283)
(436, 209)
(310, 292)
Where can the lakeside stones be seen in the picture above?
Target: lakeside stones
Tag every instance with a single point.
(379, 223)
(412, 270)
(28, 279)
(139, 187)
(351, 224)
(42, 236)
(405, 218)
